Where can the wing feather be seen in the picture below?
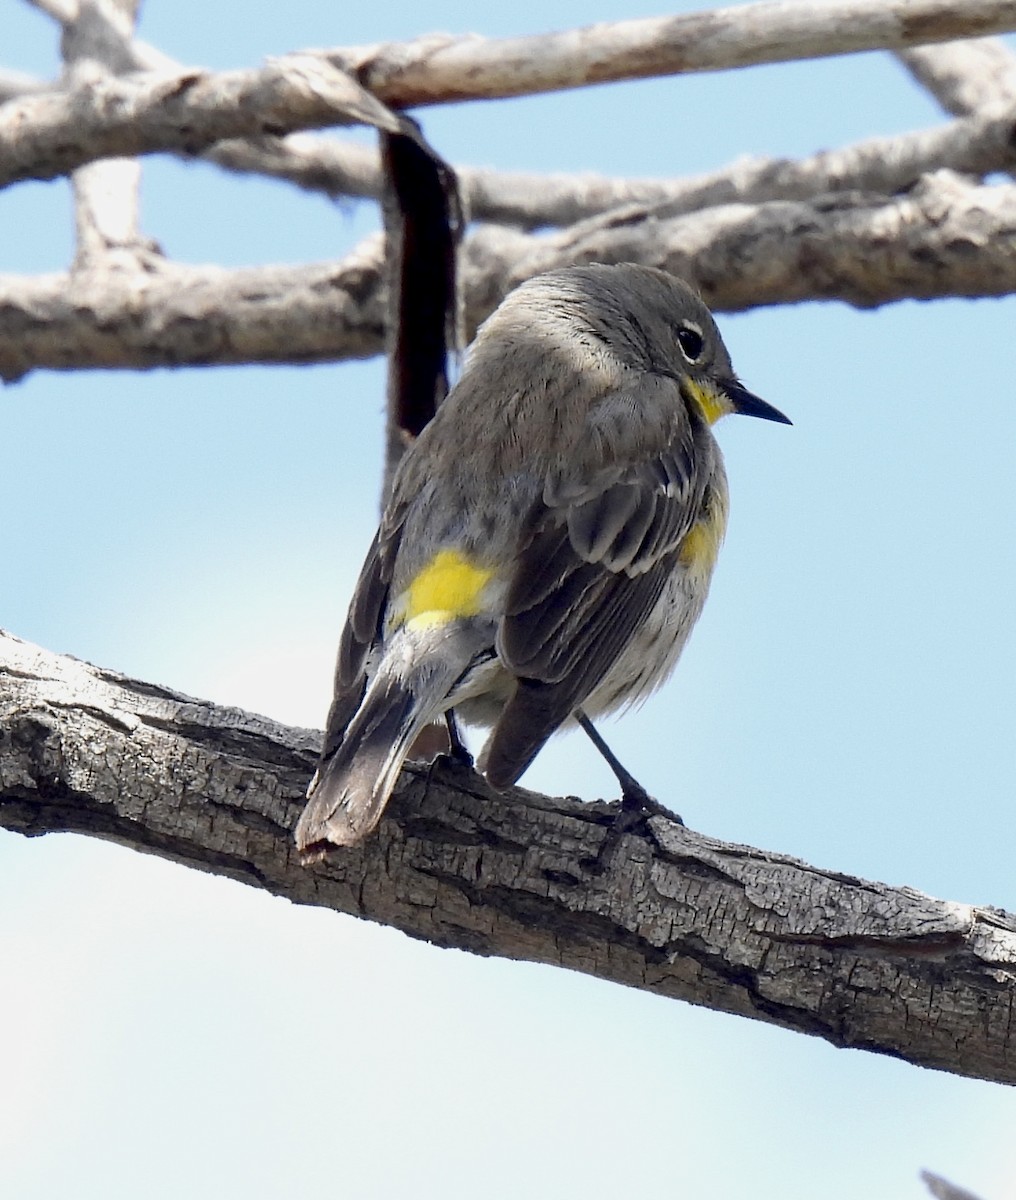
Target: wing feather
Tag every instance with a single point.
(601, 547)
(362, 630)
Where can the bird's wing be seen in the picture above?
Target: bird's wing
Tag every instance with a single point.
(362, 630)
(599, 549)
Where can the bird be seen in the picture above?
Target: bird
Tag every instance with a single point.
(548, 541)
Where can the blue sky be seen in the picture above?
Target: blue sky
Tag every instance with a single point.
(848, 698)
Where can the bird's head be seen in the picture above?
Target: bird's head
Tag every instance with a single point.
(678, 336)
(656, 322)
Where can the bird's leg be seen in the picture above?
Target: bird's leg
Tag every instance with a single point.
(456, 746)
(634, 797)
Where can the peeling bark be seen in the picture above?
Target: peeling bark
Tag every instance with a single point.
(978, 145)
(518, 875)
(173, 315)
(947, 237)
(440, 68)
(186, 110)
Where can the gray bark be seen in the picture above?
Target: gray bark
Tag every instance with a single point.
(965, 77)
(186, 110)
(977, 145)
(518, 875)
(439, 68)
(947, 237)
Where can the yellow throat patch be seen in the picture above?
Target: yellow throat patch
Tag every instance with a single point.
(711, 400)
(449, 586)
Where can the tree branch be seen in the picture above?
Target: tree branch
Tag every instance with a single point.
(978, 145)
(175, 315)
(965, 77)
(106, 202)
(185, 111)
(947, 237)
(519, 875)
(437, 69)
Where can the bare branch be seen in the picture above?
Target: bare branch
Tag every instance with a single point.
(977, 145)
(183, 111)
(106, 215)
(947, 237)
(106, 202)
(186, 111)
(965, 77)
(174, 315)
(437, 69)
(313, 163)
(134, 55)
(62, 11)
(518, 875)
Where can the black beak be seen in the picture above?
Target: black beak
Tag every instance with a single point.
(750, 405)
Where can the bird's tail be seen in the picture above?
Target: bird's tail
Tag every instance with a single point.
(349, 791)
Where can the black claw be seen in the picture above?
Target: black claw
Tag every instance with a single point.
(457, 747)
(635, 800)
(459, 754)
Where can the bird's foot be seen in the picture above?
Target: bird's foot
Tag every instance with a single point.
(638, 804)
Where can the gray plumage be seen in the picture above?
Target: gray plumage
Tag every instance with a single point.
(573, 469)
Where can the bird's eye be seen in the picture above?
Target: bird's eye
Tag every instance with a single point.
(689, 338)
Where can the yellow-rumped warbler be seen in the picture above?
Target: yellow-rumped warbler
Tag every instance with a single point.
(549, 540)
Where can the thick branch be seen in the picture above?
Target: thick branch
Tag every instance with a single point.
(182, 111)
(438, 69)
(945, 238)
(60, 10)
(519, 875)
(965, 77)
(106, 202)
(978, 145)
(185, 111)
(194, 315)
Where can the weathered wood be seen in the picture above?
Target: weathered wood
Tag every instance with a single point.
(976, 145)
(518, 875)
(965, 77)
(436, 69)
(186, 110)
(947, 237)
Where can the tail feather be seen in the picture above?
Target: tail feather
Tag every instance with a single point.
(349, 792)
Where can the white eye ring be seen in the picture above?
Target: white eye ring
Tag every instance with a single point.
(690, 341)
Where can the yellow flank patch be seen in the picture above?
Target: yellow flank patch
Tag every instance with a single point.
(711, 400)
(701, 544)
(449, 586)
